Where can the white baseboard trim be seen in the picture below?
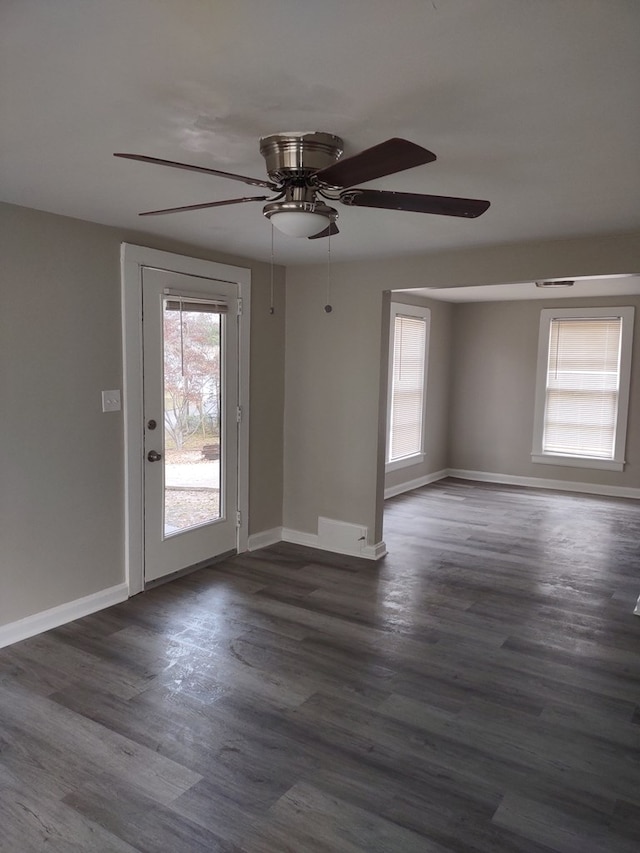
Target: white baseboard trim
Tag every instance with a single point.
(13, 632)
(374, 552)
(311, 540)
(299, 537)
(409, 485)
(264, 538)
(543, 483)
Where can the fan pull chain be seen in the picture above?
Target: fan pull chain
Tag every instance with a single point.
(272, 310)
(328, 307)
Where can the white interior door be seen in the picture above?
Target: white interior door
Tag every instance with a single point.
(191, 417)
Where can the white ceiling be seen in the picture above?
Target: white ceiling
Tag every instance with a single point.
(582, 288)
(532, 104)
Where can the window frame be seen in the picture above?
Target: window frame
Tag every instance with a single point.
(545, 457)
(404, 309)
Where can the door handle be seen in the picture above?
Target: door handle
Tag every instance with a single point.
(154, 456)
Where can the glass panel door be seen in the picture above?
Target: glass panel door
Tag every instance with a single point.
(192, 361)
(190, 380)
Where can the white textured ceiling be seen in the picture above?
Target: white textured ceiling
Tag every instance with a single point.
(532, 104)
(582, 288)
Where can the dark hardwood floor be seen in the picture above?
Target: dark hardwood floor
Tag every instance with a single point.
(476, 690)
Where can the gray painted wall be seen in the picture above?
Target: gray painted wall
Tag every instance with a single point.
(332, 459)
(495, 349)
(332, 374)
(61, 458)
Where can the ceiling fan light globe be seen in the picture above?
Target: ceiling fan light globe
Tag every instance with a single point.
(299, 223)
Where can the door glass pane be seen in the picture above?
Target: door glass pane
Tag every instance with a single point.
(192, 414)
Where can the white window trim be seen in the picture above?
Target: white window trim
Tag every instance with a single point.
(546, 458)
(406, 310)
(405, 461)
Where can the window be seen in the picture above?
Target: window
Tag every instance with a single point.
(582, 391)
(407, 371)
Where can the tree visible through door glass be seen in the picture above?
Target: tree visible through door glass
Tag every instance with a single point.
(192, 415)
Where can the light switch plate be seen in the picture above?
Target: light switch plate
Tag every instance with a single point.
(111, 401)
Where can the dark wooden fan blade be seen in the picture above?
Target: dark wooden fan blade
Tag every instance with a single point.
(254, 182)
(204, 206)
(394, 155)
(329, 231)
(439, 204)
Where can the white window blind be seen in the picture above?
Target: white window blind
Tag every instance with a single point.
(582, 388)
(407, 387)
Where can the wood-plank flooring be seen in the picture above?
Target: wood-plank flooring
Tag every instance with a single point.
(476, 690)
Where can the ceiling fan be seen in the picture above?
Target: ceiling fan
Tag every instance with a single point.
(305, 168)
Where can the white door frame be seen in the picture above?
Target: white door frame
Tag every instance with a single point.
(132, 259)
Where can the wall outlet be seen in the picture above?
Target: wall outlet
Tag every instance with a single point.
(111, 401)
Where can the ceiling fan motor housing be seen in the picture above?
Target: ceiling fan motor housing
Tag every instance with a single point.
(291, 157)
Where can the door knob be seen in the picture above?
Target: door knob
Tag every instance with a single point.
(154, 456)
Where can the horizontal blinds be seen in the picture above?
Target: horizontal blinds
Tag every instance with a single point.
(583, 376)
(179, 300)
(407, 386)
(200, 306)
